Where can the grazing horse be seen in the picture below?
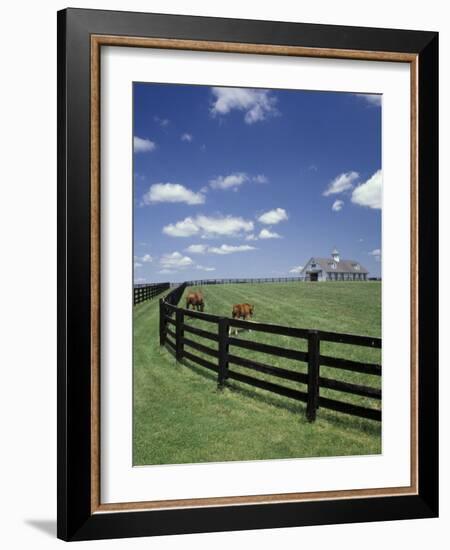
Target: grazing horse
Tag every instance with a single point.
(195, 299)
(242, 311)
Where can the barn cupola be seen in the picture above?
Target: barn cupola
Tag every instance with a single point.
(335, 255)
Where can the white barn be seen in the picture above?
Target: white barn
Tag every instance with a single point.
(333, 269)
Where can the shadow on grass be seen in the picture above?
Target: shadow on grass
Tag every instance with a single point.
(201, 371)
(342, 420)
(295, 408)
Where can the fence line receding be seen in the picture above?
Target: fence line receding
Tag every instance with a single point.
(175, 333)
(142, 293)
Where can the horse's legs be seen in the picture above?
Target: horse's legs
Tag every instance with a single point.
(247, 318)
(242, 318)
(230, 330)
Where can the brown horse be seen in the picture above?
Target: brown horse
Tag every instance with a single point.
(242, 311)
(195, 299)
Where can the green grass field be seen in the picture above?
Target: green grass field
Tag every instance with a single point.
(181, 417)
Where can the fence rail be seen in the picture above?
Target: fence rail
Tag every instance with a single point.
(148, 292)
(177, 335)
(202, 282)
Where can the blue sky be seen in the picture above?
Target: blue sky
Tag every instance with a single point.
(235, 182)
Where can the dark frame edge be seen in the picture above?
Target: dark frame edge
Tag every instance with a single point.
(428, 177)
(251, 517)
(197, 27)
(73, 281)
(61, 279)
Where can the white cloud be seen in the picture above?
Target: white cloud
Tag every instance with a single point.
(229, 249)
(251, 237)
(341, 183)
(223, 249)
(369, 193)
(296, 269)
(228, 225)
(235, 180)
(161, 121)
(376, 254)
(266, 234)
(208, 226)
(337, 205)
(143, 145)
(175, 260)
(172, 192)
(137, 264)
(256, 104)
(184, 228)
(146, 259)
(166, 271)
(196, 248)
(140, 280)
(372, 99)
(227, 182)
(205, 268)
(187, 137)
(273, 216)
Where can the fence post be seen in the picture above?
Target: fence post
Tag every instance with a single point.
(162, 322)
(179, 333)
(223, 351)
(313, 375)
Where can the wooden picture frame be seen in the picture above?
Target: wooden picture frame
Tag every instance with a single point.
(81, 35)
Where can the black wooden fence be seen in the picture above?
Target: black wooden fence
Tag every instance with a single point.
(175, 295)
(202, 282)
(148, 292)
(173, 329)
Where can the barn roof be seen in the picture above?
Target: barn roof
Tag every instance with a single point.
(343, 266)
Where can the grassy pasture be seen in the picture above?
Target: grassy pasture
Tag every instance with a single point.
(181, 417)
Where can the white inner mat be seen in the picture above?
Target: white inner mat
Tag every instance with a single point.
(120, 481)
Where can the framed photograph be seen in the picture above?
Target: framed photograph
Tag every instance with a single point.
(248, 259)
